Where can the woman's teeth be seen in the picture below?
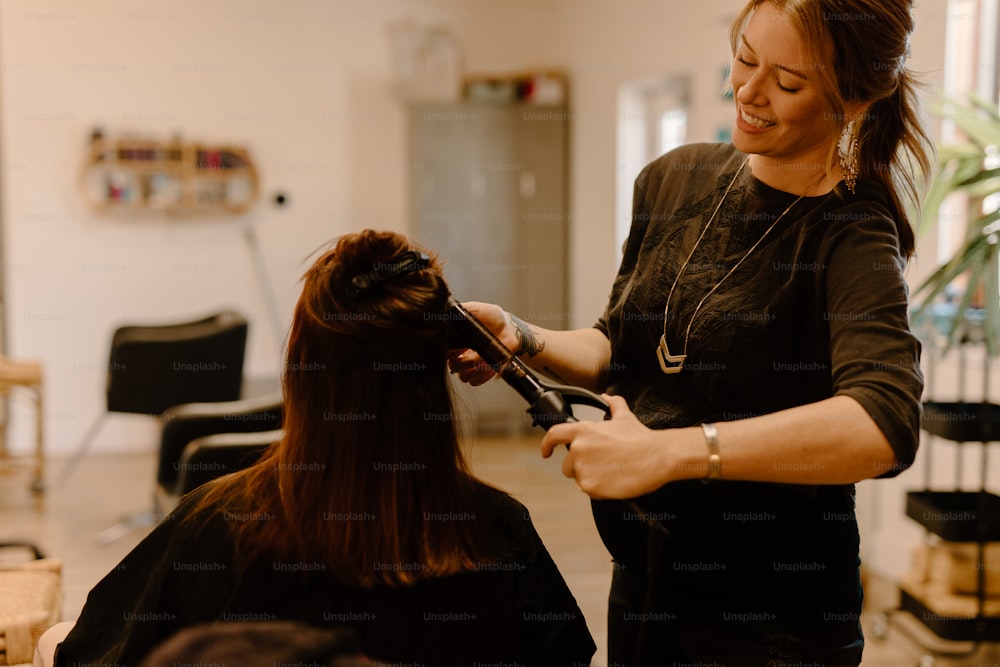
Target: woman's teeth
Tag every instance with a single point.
(755, 122)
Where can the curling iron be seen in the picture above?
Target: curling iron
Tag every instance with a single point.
(548, 403)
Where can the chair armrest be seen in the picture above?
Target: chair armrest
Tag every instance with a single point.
(231, 410)
(212, 456)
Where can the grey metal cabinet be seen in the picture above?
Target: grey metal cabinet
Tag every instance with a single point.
(488, 193)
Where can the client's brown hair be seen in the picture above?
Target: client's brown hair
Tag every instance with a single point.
(369, 478)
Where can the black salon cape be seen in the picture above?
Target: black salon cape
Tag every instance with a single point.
(517, 610)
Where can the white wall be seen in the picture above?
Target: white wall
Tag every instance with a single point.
(305, 85)
(607, 45)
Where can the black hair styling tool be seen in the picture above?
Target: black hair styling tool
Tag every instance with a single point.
(548, 403)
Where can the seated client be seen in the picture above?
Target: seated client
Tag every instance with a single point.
(365, 514)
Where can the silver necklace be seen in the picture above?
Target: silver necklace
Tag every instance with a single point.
(674, 363)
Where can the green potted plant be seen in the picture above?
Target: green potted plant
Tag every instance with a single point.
(960, 300)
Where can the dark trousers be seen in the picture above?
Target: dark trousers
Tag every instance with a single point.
(642, 635)
(638, 635)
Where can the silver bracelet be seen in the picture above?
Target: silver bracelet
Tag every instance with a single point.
(714, 459)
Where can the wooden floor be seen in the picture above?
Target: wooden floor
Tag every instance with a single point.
(67, 521)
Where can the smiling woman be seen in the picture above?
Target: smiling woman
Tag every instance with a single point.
(829, 78)
(749, 343)
(783, 115)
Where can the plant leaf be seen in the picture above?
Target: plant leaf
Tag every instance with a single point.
(971, 252)
(984, 105)
(961, 169)
(982, 131)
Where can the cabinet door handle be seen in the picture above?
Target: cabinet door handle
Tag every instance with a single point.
(477, 184)
(427, 186)
(528, 184)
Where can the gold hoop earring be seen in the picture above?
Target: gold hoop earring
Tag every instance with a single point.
(847, 149)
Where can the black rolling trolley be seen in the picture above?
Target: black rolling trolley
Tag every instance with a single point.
(951, 596)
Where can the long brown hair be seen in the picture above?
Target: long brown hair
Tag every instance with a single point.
(866, 43)
(369, 479)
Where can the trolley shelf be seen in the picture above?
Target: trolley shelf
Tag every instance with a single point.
(961, 421)
(941, 598)
(950, 626)
(957, 516)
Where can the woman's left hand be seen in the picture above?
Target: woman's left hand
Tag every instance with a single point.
(616, 458)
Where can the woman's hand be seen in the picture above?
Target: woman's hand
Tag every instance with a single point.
(465, 362)
(616, 458)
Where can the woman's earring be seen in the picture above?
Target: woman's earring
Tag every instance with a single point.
(847, 148)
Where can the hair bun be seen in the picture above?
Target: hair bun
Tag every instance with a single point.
(376, 285)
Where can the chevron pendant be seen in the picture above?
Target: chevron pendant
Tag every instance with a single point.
(669, 363)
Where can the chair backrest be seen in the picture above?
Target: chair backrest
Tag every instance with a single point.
(183, 424)
(152, 368)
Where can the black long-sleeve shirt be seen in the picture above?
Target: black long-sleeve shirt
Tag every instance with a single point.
(818, 309)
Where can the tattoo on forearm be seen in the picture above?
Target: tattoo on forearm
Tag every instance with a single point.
(527, 341)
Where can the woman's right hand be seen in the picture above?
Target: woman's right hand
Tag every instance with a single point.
(465, 362)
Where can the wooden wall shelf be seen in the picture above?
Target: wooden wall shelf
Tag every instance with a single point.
(139, 175)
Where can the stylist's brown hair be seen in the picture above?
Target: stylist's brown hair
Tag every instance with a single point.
(867, 44)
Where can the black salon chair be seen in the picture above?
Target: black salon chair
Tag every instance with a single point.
(154, 367)
(202, 441)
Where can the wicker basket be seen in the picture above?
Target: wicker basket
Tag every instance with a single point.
(30, 601)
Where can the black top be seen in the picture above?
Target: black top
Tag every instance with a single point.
(517, 609)
(818, 309)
